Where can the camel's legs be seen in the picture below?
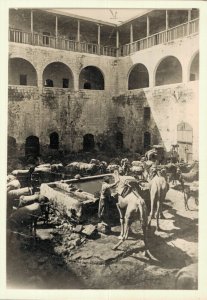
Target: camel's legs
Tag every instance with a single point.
(126, 228)
(161, 215)
(121, 213)
(158, 213)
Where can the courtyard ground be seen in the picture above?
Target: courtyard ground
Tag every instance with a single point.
(52, 263)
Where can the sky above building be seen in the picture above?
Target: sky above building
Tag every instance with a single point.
(111, 15)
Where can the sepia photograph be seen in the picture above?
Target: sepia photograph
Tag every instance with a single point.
(103, 158)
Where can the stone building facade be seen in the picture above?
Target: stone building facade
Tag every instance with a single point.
(78, 84)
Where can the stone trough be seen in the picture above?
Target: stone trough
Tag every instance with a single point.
(74, 198)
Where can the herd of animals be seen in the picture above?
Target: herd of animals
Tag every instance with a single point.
(25, 205)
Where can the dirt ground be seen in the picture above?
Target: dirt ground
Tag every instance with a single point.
(58, 260)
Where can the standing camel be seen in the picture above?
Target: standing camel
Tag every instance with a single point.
(158, 186)
(129, 205)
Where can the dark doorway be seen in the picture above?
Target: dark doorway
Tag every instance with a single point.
(119, 140)
(32, 146)
(11, 145)
(147, 140)
(88, 142)
(48, 83)
(54, 140)
(87, 86)
(65, 83)
(23, 79)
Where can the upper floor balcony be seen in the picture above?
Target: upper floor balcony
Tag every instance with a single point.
(41, 28)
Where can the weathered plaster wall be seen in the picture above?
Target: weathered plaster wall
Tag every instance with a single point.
(169, 105)
(72, 113)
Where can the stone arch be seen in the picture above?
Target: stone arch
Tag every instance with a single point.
(11, 145)
(194, 67)
(88, 142)
(22, 72)
(138, 77)
(32, 146)
(92, 78)
(54, 140)
(57, 74)
(168, 71)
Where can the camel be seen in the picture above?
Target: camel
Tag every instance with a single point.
(158, 186)
(130, 203)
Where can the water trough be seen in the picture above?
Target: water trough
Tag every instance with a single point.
(75, 197)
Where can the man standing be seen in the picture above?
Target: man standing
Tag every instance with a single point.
(105, 198)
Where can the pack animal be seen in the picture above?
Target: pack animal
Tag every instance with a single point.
(159, 187)
(131, 206)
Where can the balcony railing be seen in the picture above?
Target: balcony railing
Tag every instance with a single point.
(162, 37)
(37, 39)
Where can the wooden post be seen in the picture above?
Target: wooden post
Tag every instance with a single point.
(166, 24)
(99, 39)
(56, 30)
(148, 30)
(189, 19)
(78, 36)
(78, 32)
(117, 43)
(32, 29)
(131, 37)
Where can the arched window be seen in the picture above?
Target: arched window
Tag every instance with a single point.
(54, 140)
(88, 142)
(57, 74)
(32, 146)
(119, 140)
(138, 77)
(91, 78)
(22, 72)
(194, 68)
(147, 140)
(169, 71)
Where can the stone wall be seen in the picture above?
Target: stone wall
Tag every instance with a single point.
(72, 113)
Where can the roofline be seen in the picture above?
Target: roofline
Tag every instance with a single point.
(135, 17)
(55, 12)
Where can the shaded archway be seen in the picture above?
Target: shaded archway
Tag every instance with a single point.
(138, 77)
(54, 140)
(22, 72)
(147, 140)
(194, 68)
(88, 142)
(57, 74)
(91, 78)
(119, 140)
(11, 145)
(185, 141)
(169, 71)
(32, 146)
